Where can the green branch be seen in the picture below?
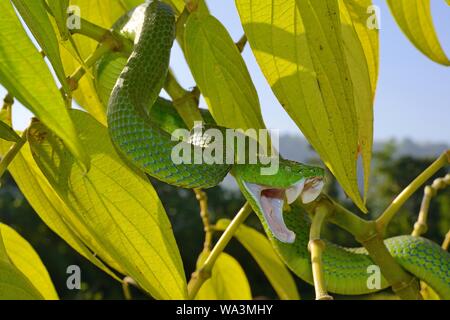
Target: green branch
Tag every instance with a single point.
(316, 246)
(421, 226)
(389, 213)
(204, 272)
(202, 199)
(366, 233)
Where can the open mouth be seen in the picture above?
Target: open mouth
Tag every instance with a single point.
(271, 202)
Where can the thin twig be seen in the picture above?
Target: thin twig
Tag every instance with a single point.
(241, 43)
(420, 227)
(204, 214)
(76, 76)
(126, 283)
(204, 272)
(389, 213)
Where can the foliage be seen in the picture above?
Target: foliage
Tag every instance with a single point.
(321, 61)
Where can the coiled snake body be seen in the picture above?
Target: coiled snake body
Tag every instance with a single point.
(143, 137)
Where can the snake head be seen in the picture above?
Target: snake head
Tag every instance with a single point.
(268, 194)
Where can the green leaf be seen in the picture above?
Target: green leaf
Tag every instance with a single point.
(221, 74)
(35, 16)
(59, 11)
(7, 133)
(262, 251)
(414, 18)
(52, 210)
(362, 51)
(228, 281)
(116, 204)
(23, 257)
(302, 55)
(13, 283)
(24, 73)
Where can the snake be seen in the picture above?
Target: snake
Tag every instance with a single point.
(140, 123)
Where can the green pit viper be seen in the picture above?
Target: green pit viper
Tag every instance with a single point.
(140, 125)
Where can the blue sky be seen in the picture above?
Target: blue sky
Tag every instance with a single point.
(413, 97)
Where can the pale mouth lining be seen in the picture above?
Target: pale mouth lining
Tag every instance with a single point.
(271, 202)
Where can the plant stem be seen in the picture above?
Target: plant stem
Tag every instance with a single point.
(316, 246)
(95, 32)
(366, 233)
(11, 154)
(389, 213)
(241, 43)
(420, 227)
(204, 214)
(126, 283)
(204, 272)
(403, 284)
(185, 102)
(90, 61)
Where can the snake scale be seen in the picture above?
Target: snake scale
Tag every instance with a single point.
(140, 123)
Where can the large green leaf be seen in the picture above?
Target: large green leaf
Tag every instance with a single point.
(362, 51)
(221, 74)
(35, 16)
(261, 250)
(414, 18)
(52, 210)
(303, 57)
(116, 204)
(227, 282)
(24, 73)
(23, 257)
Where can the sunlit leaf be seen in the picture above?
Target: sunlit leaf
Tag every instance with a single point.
(414, 18)
(27, 261)
(14, 285)
(35, 16)
(116, 204)
(261, 250)
(227, 282)
(302, 55)
(24, 73)
(52, 210)
(221, 74)
(7, 133)
(361, 43)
